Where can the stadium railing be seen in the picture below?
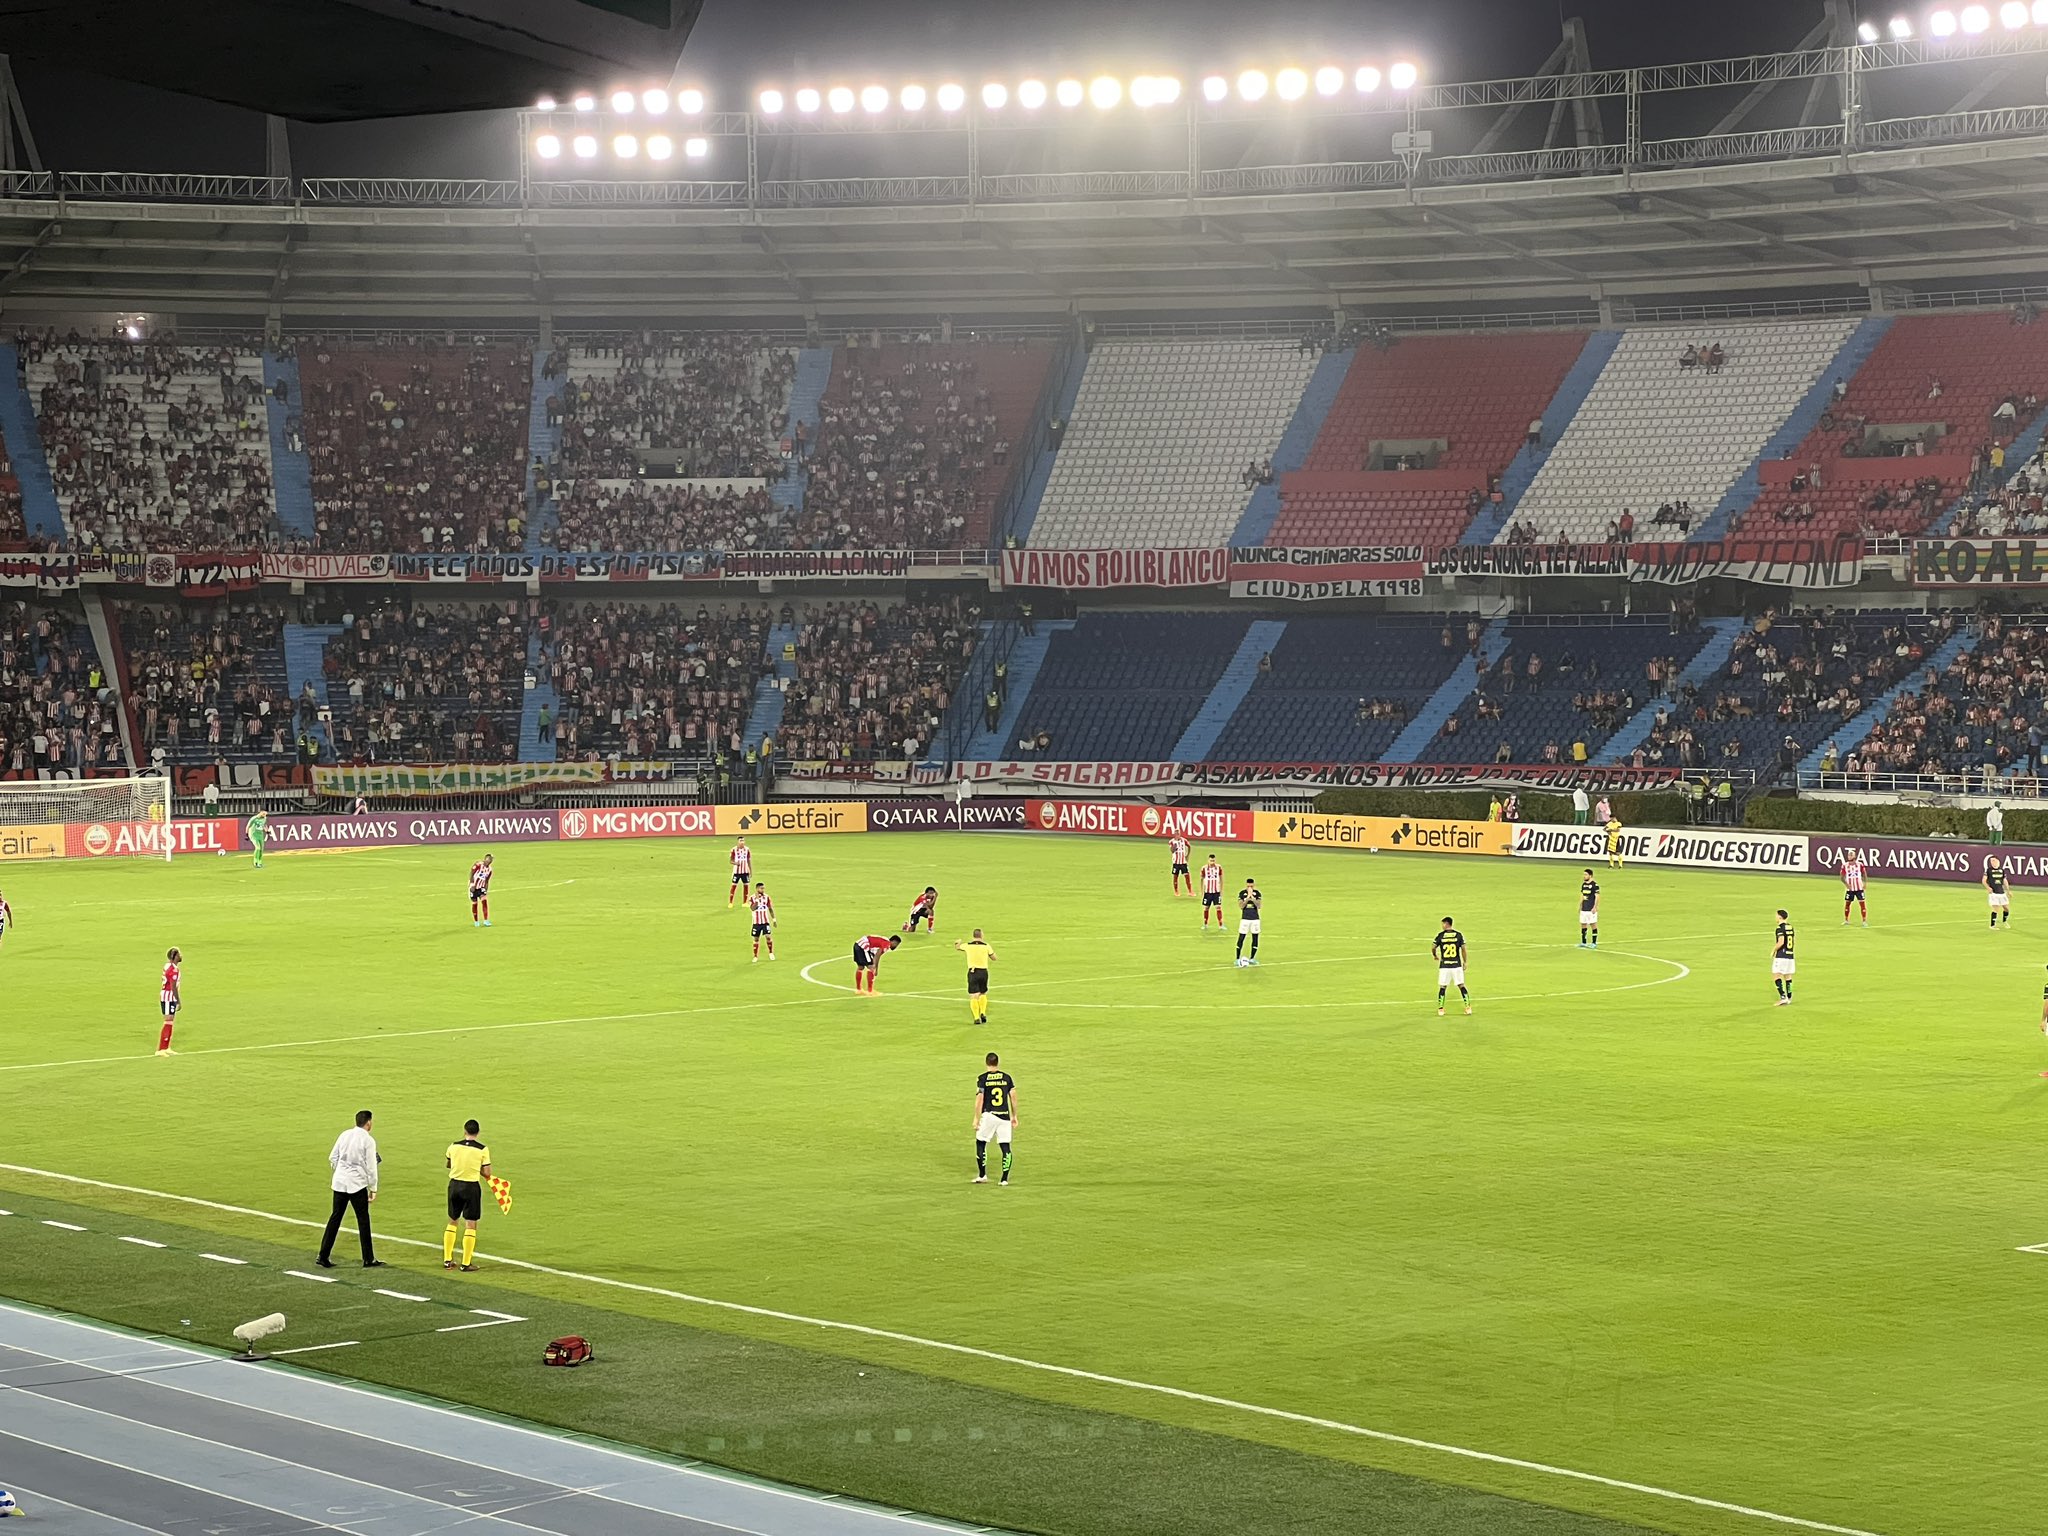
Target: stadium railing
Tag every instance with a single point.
(1926, 786)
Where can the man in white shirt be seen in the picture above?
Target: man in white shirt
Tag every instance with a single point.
(1994, 823)
(1581, 805)
(354, 1161)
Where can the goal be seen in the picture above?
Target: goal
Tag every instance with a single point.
(92, 818)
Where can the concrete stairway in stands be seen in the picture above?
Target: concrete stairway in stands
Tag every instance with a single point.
(534, 747)
(291, 472)
(1302, 430)
(1851, 735)
(305, 648)
(542, 442)
(1456, 689)
(1199, 739)
(1025, 658)
(1709, 659)
(1065, 393)
(1557, 415)
(770, 696)
(1850, 356)
(806, 393)
(40, 512)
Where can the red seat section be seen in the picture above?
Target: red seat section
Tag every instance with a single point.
(1476, 393)
(1978, 360)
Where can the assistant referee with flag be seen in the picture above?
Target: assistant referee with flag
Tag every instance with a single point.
(469, 1164)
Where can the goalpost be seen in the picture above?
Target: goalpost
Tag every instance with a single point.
(57, 818)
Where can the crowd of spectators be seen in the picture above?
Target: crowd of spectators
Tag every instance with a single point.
(2012, 508)
(650, 515)
(640, 681)
(419, 447)
(13, 531)
(151, 444)
(898, 454)
(195, 687)
(874, 682)
(424, 685)
(56, 710)
(716, 400)
(1981, 717)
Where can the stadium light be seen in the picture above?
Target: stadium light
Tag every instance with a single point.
(1291, 84)
(808, 99)
(771, 103)
(625, 146)
(1150, 90)
(622, 102)
(1251, 85)
(995, 95)
(952, 96)
(1069, 93)
(1329, 80)
(660, 146)
(548, 146)
(1214, 88)
(1942, 24)
(690, 101)
(545, 104)
(1974, 19)
(1167, 89)
(1902, 27)
(913, 97)
(585, 102)
(585, 146)
(655, 101)
(1367, 79)
(874, 98)
(1867, 31)
(696, 149)
(839, 99)
(2013, 15)
(1105, 91)
(1402, 75)
(1031, 94)
(2041, 13)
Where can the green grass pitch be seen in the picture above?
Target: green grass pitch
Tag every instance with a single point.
(1628, 1220)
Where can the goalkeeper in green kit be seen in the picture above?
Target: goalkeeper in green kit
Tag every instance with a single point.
(258, 829)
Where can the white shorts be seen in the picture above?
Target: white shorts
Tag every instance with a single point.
(1781, 967)
(1589, 917)
(2000, 900)
(1247, 925)
(993, 1128)
(1450, 975)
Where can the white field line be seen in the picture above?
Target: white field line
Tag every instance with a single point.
(310, 1349)
(64, 1226)
(1073, 1373)
(140, 1242)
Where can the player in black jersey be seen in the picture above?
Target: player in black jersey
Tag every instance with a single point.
(1995, 881)
(1782, 964)
(1248, 901)
(995, 1117)
(1450, 950)
(1589, 912)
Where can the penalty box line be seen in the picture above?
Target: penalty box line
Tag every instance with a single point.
(1073, 1373)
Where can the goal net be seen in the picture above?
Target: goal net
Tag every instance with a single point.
(86, 818)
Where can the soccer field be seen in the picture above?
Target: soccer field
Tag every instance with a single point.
(1629, 1220)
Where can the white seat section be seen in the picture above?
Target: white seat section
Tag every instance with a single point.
(1650, 432)
(1156, 449)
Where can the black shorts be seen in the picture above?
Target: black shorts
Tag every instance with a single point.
(742, 876)
(1212, 898)
(1180, 869)
(478, 893)
(760, 928)
(1852, 893)
(465, 1200)
(977, 983)
(863, 957)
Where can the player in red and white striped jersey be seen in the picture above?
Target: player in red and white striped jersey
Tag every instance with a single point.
(764, 920)
(1852, 890)
(1178, 848)
(168, 1000)
(480, 893)
(6, 918)
(924, 908)
(868, 950)
(742, 871)
(1212, 893)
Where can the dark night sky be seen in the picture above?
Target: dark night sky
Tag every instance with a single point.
(86, 122)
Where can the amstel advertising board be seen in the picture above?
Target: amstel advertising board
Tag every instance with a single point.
(1114, 818)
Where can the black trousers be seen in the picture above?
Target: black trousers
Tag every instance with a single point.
(361, 1201)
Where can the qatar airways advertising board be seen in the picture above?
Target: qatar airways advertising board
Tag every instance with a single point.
(1925, 858)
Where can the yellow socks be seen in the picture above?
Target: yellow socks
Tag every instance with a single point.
(468, 1247)
(448, 1244)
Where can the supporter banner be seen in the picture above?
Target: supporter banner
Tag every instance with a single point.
(1317, 575)
(780, 565)
(1770, 562)
(638, 821)
(193, 778)
(195, 575)
(1696, 848)
(811, 816)
(1298, 777)
(42, 840)
(1087, 569)
(50, 573)
(1980, 562)
(1076, 775)
(1120, 819)
(1924, 858)
(133, 839)
(290, 832)
(326, 567)
(1376, 834)
(474, 778)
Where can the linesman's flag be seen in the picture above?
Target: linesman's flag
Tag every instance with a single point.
(502, 1189)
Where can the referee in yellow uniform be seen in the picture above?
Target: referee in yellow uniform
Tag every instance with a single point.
(469, 1164)
(978, 957)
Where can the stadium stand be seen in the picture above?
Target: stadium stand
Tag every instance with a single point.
(206, 682)
(1912, 430)
(56, 712)
(1653, 431)
(646, 681)
(1125, 685)
(1162, 436)
(1978, 717)
(1339, 690)
(152, 445)
(915, 443)
(709, 405)
(1420, 436)
(13, 529)
(654, 515)
(417, 684)
(873, 682)
(2015, 506)
(416, 444)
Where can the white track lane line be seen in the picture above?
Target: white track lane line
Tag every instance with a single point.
(1070, 1372)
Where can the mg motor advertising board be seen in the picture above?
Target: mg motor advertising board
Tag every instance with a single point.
(1120, 819)
(638, 821)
